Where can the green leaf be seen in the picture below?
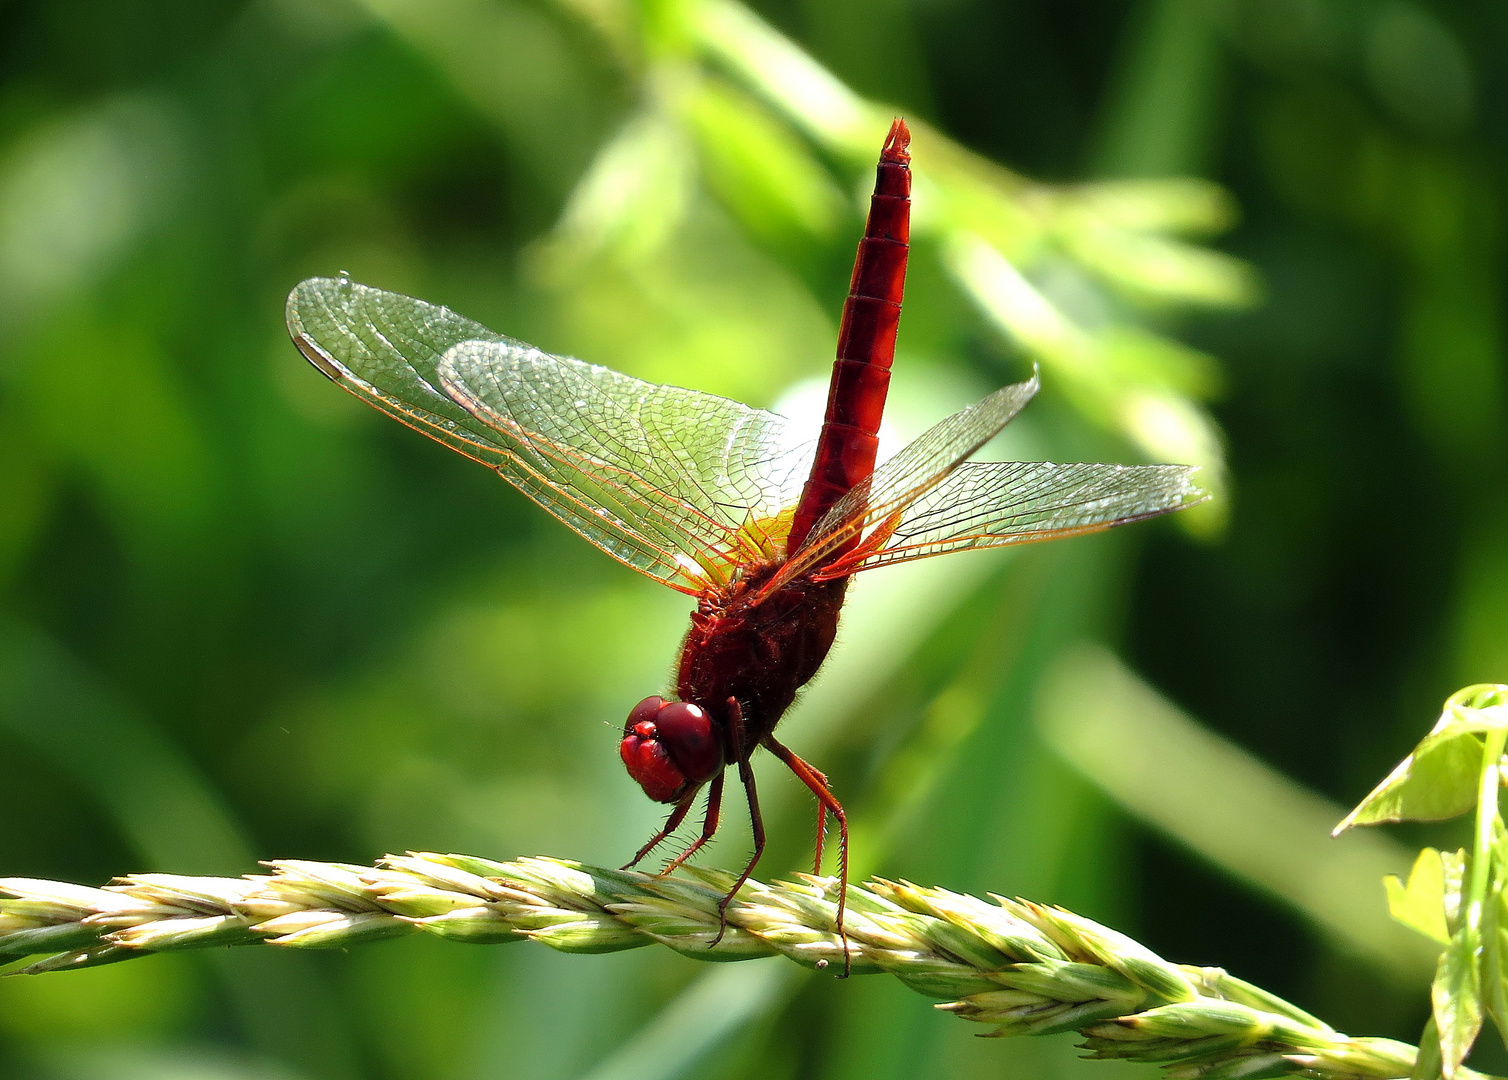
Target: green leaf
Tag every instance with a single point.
(1440, 778)
(1495, 937)
(1453, 864)
(631, 198)
(1421, 904)
(1482, 703)
(1153, 268)
(1456, 996)
(1178, 206)
(760, 170)
(1147, 359)
(1437, 781)
(1427, 1064)
(1495, 969)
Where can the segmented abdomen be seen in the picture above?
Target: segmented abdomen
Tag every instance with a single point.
(866, 342)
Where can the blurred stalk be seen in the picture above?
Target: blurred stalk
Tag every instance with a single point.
(166, 810)
(1227, 806)
(1163, 110)
(53, 704)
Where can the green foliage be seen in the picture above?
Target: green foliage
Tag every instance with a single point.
(1420, 905)
(1442, 778)
(239, 618)
(1456, 899)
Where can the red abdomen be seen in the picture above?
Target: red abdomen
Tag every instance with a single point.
(866, 343)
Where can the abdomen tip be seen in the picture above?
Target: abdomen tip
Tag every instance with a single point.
(897, 143)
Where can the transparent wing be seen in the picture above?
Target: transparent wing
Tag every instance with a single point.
(680, 485)
(990, 503)
(703, 476)
(874, 507)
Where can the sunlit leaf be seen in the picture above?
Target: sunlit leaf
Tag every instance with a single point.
(1155, 268)
(1495, 949)
(1180, 206)
(1437, 781)
(1018, 307)
(632, 197)
(1427, 1064)
(1440, 779)
(1482, 707)
(782, 72)
(1457, 1002)
(1453, 871)
(1143, 357)
(759, 169)
(1421, 904)
(974, 201)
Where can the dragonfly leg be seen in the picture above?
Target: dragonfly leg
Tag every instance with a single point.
(709, 824)
(756, 821)
(818, 784)
(821, 823)
(672, 823)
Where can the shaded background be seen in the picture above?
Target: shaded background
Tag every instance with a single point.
(242, 617)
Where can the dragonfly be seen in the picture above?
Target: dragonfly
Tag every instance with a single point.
(725, 502)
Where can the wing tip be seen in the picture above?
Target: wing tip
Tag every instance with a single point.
(322, 361)
(1191, 493)
(329, 294)
(311, 287)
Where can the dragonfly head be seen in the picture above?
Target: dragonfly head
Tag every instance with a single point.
(670, 747)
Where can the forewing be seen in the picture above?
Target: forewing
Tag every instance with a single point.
(385, 348)
(702, 475)
(908, 476)
(676, 484)
(992, 503)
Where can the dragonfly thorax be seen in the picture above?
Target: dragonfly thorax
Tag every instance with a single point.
(670, 748)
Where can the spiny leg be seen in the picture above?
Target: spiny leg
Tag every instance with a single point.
(672, 823)
(821, 824)
(756, 822)
(709, 824)
(818, 785)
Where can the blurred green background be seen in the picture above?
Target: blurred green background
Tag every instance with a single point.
(243, 617)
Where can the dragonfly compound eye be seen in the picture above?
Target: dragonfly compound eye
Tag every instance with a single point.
(668, 747)
(647, 758)
(644, 712)
(686, 731)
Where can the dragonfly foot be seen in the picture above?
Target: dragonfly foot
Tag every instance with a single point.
(722, 915)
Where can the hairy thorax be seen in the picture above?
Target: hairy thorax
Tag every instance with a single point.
(759, 654)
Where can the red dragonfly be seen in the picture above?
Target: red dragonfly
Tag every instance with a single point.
(721, 501)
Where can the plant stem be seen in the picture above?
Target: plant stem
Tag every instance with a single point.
(1024, 968)
(1487, 814)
